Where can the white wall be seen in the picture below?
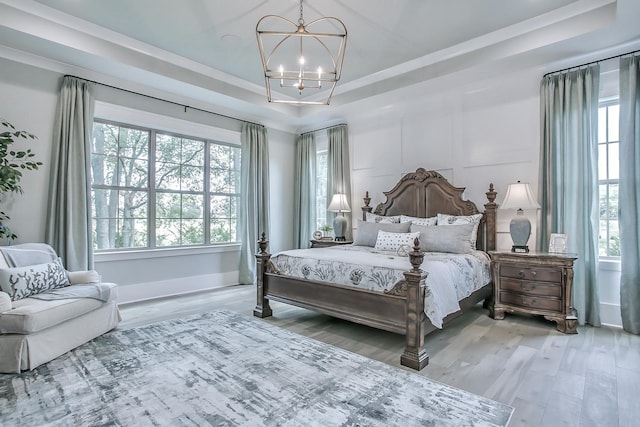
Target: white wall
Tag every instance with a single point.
(29, 98)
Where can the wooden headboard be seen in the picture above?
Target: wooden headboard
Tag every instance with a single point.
(427, 193)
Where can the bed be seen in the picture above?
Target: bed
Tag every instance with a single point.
(400, 308)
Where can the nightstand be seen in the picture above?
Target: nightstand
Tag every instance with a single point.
(327, 243)
(535, 283)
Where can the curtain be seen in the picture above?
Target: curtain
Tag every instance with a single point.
(568, 177)
(68, 226)
(629, 199)
(254, 197)
(304, 220)
(339, 170)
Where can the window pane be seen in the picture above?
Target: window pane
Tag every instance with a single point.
(167, 176)
(221, 231)
(192, 232)
(614, 161)
(192, 152)
(168, 232)
(613, 125)
(220, 207)
(614, 239)
(132, 172)
(613, 202)
(167, 205)
(105, 139)
(192, 206)
(192, 178)
(602, 161)
(133, 143)
(602, 124)
(167, 148)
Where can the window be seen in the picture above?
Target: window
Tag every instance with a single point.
(156, 189)
(608, 176)
(322, 155)
(321, 188)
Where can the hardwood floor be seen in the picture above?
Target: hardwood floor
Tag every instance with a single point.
(551, 379)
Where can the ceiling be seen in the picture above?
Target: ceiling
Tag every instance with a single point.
(204, 52)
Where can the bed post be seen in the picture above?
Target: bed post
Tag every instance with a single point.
(490, 217)
(366, 208)
(414, 355)
(262, 258)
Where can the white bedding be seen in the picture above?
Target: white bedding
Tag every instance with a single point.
(451, 277)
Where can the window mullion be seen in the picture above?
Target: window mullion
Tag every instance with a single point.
(151, 222)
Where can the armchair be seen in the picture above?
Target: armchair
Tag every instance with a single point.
(46, 311)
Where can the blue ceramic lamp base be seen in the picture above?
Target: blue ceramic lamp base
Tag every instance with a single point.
(520, 228)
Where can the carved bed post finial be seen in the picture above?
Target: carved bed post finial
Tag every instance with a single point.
(490, 209)
(262, 309)
(416, 257)
(366, 208)
(263, 243)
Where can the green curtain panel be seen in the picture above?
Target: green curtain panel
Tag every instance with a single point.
(568, 184)
(304, 195)
(629, 199)
(68, 226)
(254, 197)
(339, 171)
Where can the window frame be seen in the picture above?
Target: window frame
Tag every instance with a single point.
(147, 125)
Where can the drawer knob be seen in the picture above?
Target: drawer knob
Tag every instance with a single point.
(521, 273)
(533, 273)
(528, 286)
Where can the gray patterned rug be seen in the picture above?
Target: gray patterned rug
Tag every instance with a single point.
(222, 368)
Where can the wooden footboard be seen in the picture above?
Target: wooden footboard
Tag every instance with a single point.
(400, 310)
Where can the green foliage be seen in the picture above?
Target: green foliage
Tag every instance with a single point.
(12, 164)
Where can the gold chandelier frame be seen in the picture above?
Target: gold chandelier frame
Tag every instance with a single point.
(330, 45)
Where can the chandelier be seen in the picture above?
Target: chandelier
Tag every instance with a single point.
(297, 61)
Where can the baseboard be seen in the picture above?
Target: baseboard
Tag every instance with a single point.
(610, 315)
(183, 285)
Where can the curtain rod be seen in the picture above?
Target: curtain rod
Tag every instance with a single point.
(324, 128)
(593, 62)
(164, 100)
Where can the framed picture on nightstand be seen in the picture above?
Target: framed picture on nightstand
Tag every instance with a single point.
(558, 243)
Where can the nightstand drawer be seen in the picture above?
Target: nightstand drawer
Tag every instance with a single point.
(531, 273)
(532, 302)
(547, 289)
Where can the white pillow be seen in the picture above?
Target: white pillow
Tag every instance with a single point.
(388, 241)
(444, 219)
(381, 218)
(419, 221)
(22, 282)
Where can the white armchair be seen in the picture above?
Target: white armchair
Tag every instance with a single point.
(46, 311)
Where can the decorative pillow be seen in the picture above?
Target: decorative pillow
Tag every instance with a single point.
(382, 219)
(367, 232)
(22, 282)
(454, 239)
(420, 221)
(388, 241)
(444, 219)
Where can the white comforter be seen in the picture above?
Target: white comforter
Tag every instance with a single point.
(450, 277)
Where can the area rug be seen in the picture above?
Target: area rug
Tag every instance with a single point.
(223, 368)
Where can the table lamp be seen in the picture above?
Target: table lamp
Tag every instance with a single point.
(339, 204)
(519, 197)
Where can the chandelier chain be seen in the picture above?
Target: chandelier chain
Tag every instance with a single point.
(301, 19)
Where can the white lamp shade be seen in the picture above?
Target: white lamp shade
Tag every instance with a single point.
(519, 196)
(339, 203)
